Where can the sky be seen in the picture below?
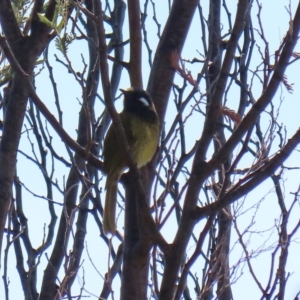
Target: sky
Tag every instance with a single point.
(275, 21)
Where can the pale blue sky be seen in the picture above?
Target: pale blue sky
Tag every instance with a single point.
(275, 21)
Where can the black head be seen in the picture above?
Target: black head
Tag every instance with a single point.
(139, 103)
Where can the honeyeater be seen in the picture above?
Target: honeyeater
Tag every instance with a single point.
(141, 125)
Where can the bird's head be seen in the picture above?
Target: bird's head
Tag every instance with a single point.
(139, 103)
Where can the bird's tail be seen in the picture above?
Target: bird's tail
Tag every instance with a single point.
(109, 215)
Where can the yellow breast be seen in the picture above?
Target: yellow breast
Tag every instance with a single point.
(143, 139)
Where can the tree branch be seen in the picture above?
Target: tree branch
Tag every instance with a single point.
(135, 64)
(257, 177)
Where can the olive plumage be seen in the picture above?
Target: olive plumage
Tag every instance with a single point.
(141, 126)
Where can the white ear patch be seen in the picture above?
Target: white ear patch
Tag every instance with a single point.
(144, 101)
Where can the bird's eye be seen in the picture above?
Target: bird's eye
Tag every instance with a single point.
(144, 101)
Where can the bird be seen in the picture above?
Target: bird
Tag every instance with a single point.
(141, 125)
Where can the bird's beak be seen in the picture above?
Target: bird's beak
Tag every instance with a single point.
(123, 91)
